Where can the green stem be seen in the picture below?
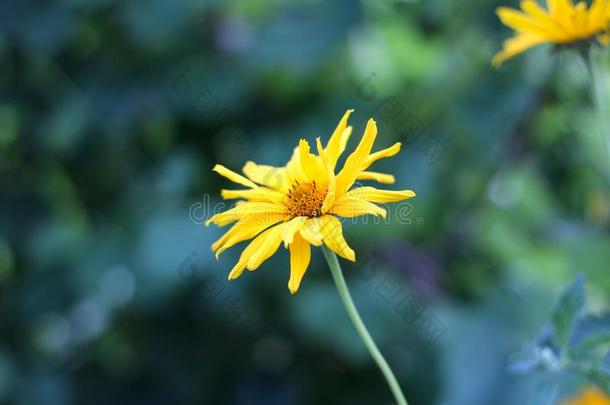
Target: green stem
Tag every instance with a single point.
(598, 93)
(335, 269)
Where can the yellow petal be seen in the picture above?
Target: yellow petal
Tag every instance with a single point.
(311, 231)
(555, 29)
(338, 140)
(355, 162)
(516, 19)
(293, 226)
(300, 255)
(349, 207)
(294, 170)
(598, 13)
(559, 6)
(580, 19)
(522, 22)
(533, 9)
(234, 177)
(246, 229)
(382, 154)
(307, 160)
(344, 139)
(254, 194)
(257, 251)
(378, 177)
(562, 11)
(270, 176)
(244, 210)
(255, 246)
(332, 233)
(330, 179)
(375, 195)
(267, 248)
(515, 46)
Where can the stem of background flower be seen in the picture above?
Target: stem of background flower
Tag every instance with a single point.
(335, 269)
(598, 93)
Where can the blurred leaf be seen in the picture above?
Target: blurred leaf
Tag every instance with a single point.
(545, 394)
(600, 378)
(9, 125)
(593, 346)
(568, 309)
(591, 339)
(524, 361)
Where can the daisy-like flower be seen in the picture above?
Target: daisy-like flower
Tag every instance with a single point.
(299, 204)
(563, 23)
(590, 396)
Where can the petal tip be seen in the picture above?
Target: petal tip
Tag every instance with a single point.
(348, 112)
(503, 10)
(351, 256)
(497, 61)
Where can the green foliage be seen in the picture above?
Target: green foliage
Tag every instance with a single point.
(568, 310)
(112, 115)
(577, 343)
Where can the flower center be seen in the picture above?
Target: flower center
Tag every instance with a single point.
(305, 200)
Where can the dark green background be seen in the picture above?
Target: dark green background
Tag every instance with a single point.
(112, 115)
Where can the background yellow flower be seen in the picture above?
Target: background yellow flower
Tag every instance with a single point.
(590, 396)
(563, 23)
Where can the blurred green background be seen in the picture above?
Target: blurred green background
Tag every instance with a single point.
(112, 115)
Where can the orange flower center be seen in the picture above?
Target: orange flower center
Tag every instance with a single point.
(305, 200)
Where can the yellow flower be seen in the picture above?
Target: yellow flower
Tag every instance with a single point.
(298, 204)
(590, 396)
(563, 23)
